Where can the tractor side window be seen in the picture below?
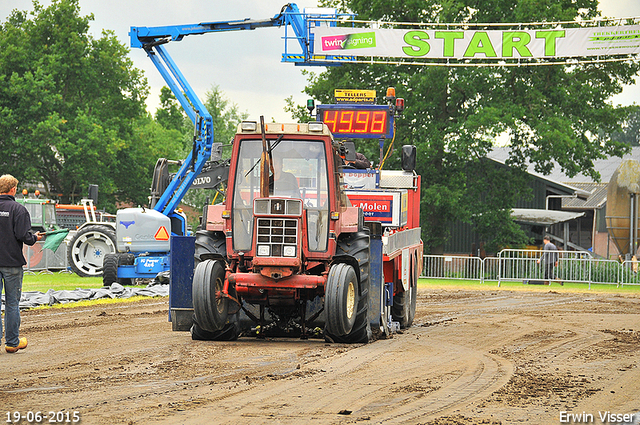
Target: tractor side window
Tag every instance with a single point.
(50, 214)
(247, 188)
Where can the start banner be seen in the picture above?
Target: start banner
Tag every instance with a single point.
(478, 44)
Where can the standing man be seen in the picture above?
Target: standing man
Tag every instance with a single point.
(550, 259)
(15, 229)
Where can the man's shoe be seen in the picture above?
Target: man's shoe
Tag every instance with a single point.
(21, 345)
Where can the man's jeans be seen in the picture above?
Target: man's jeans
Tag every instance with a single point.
(11, 278)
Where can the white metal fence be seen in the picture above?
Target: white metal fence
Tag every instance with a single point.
(528, 265)
(40, 260)
(509, 265)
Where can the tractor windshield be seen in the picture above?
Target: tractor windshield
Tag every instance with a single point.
(50, 214)
(35, 211)
(299, 171)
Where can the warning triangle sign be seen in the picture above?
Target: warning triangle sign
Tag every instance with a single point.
(162, 234)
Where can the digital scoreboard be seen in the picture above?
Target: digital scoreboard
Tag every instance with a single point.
(357, 121)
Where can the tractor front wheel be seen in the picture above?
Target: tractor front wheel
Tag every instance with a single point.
(341, 299)
(210, 306)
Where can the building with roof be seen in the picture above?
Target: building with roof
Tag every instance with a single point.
(571, 209)
(590, 231)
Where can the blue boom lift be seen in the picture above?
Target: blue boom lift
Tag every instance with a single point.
(143, 234)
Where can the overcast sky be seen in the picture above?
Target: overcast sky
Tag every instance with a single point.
(245, 65)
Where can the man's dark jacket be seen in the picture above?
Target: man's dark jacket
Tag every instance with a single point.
(15, 229)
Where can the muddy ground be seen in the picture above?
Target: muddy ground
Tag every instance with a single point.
(472, 357)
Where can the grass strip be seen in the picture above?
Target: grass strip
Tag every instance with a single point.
(58, 281)
(519, 286)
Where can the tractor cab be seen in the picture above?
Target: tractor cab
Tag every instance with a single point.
(301, 187)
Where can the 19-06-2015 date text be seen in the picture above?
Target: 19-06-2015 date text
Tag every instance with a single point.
(49, 417)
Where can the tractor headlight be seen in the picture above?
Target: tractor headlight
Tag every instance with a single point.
(316, 126)
(249, 125)
(264, 250)
(289, 251)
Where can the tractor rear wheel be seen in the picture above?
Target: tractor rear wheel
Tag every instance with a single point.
(209, 246)
(209, 305)
(88, 247)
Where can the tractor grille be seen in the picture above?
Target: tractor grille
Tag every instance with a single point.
(277, 237)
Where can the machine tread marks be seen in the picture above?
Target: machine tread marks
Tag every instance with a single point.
(354, 249)
(88, 247)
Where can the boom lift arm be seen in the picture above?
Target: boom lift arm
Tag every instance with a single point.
(152, 40)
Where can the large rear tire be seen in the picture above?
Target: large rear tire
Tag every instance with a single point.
(341, 300)
(88, 248)
(209, 246)
(209, 306)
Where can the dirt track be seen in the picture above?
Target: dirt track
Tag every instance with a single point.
(472, 357)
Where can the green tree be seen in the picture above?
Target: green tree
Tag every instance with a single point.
(170, 115)
(549, 113)
(226, 117)
(69, 104)
(631, 129)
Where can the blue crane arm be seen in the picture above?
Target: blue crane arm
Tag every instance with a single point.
(152, 40)
(142, 37)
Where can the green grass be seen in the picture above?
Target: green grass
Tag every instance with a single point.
(58, 282)
(519, 286)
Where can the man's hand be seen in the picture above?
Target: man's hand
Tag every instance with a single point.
(40, 235)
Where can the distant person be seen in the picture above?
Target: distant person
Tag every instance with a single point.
(549, 260)
(361, 162)
(15, 229)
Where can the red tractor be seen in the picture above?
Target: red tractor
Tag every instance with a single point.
(305, 245)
